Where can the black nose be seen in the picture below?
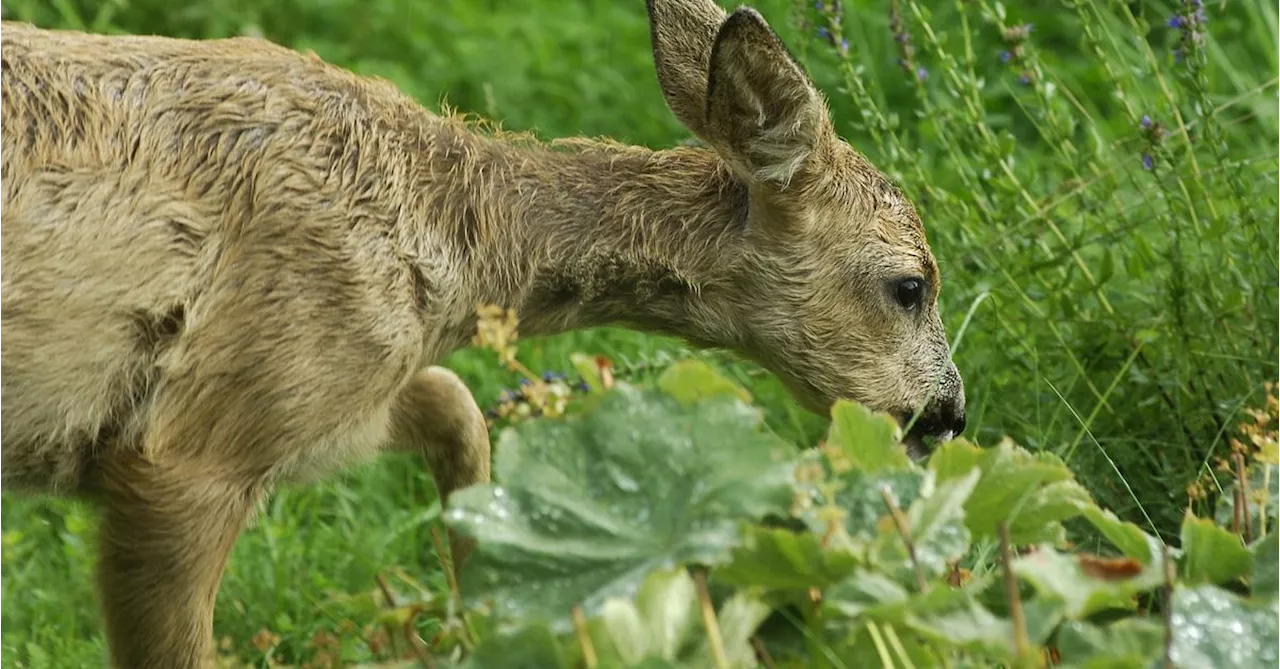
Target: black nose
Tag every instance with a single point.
(940, 417)
(952, 417)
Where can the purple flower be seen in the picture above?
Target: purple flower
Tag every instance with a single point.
(824, 33)
(817, 6)
(1024, 80)
(844, 45)
(1146, 122)
(922, 73)
(1005, 56)
(1147, 161)
(1176, 21)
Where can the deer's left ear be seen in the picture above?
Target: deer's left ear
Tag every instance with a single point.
(763, 113)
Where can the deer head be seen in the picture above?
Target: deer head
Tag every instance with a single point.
(835, 286)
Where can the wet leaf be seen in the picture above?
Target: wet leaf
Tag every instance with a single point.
(1065, 577)
(1211, 554)
(1133, 643)
(937, 529)
(862, 504)
(1213, 628)
(585, 508)
(1033, 492)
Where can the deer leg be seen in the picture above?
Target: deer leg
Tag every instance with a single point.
(435, 415)
(166, 534)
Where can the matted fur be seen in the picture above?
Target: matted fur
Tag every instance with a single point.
(226, 263)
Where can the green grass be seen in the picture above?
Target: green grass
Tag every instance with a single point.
(1118, 316)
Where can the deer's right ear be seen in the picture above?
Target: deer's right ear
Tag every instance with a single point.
(763, 113)
(682, 32)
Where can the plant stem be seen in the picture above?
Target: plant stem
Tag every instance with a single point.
(709, 619)
(1021, 645)
(900, 521)
(584, 639)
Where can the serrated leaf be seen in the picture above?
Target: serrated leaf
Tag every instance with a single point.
(1211, 554)
(861, 592)
(693, 380)
(1126, 536)
(870, 441)
(1061, 575)
(969, 626)
(1131, 643)
(947, 617)
(955, 458)
(781, 559)
(1264, 582)
(862, 505)
(1213, 628)
(1034, 492)
(936, 526)
(585, 508)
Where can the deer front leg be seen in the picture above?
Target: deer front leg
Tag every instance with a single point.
(166, 534)
(436, 416)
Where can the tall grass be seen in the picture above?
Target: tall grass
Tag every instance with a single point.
(1099, 181)
(1104, 212)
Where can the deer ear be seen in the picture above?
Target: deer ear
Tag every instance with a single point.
(763, 113)
(682, 32)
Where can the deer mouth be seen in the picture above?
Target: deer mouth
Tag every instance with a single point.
(924, 436)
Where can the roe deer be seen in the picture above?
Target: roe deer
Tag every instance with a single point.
(226, 264)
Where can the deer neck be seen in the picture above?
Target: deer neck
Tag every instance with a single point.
(588, 234)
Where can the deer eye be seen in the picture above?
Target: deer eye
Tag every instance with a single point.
(909, 293)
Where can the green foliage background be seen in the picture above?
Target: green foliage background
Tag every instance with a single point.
(1117, 316)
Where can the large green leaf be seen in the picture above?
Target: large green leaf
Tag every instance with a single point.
(1213, 628)
(1034, 493)
(586, 507)
(1210, 554)
(1131, 643)
(1063, 576)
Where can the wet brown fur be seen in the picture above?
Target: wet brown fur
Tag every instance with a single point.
(226, 264)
